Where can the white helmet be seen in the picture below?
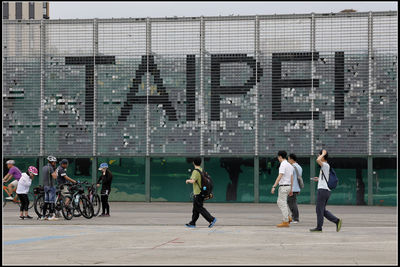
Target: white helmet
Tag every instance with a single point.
(51, 158)
(10, 162)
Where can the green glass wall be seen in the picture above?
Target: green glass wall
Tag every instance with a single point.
(233, 179)
(128, 182)
(384, 181)
(168, 176)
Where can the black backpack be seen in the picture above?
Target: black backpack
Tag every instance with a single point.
(206, 185)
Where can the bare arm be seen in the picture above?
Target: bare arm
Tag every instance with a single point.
(7, 177)
(278, 179)
(320, 157)
(190, 181)
(70, 179)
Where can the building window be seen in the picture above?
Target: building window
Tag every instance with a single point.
(18, 10)
(5, 10)
(31, 10)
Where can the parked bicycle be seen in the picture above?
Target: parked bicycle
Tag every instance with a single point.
(77, 201)
(15, 199)
(39, 202)
(94, 198)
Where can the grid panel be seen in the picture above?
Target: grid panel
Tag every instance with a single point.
(285, 87)
(68, 99)
(174, 64)
(121, 123)
(229, 87)
(353, 64)
(342, 95)
(21, 89)
(384, 90)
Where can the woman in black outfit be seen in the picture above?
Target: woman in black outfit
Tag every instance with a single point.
(105, 179)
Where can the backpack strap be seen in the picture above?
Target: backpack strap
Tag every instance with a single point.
(324, 175)
(201, 176)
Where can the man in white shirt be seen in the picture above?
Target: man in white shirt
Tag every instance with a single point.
(285, 181)
(323, 194)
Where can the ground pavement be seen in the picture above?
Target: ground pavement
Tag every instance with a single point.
(154, 233)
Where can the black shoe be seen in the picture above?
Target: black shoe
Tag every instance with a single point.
(316, 230)
(21, 217)
(190, 225)
(28, 217)
(338, 225)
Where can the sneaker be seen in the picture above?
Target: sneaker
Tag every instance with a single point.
(107, 215)
(102, 215)
(190, 225)
(21, 217)
(339, 225)
(212, 223)
(28, 217)
(9, 198)
(283, 224)
(316, 230)
(295, 221)
(53, 218)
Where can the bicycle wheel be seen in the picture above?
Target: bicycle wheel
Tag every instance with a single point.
(96, 205)
(31, 198)
(67, 208)
(85, 207)
(38, 205)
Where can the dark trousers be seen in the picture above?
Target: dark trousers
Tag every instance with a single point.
(199, 209)
(104, 201)
(322, 199)
(24, 202)
(292, 203)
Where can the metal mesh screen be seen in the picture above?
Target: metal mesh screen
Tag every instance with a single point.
(245, 85)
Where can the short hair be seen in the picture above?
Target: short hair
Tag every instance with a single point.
(282, 153)
(197, 161)
(293, 156)
(326, 155)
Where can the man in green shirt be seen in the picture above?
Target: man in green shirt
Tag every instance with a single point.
(198, 199)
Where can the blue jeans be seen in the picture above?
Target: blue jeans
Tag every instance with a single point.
(322, 199)
(49, 194)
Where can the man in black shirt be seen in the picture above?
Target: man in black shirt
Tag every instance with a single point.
(105, 179)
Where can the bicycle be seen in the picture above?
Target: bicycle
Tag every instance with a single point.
(78, 201)
(94, 198)
(15, 199)
(39, 202)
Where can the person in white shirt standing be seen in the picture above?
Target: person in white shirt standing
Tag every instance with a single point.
(285, 181)
(323, 194)
(22, 190)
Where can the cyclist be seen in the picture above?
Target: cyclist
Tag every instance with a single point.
(15, 173)
(106, 179)
(23, 188)
(62, 178)
(49, 174)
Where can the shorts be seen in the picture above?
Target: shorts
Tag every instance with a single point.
(49, 194)
(14, 183)
(65, 192)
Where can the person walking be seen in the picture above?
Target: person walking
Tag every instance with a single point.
(198, 199)
(323, 194)
(49, 175)
(105, 179)
(292, 200)
(22, 190)
(285, 181)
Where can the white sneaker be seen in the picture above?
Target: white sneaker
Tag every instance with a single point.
(295, 222)
(9, 198)
(53, 218)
